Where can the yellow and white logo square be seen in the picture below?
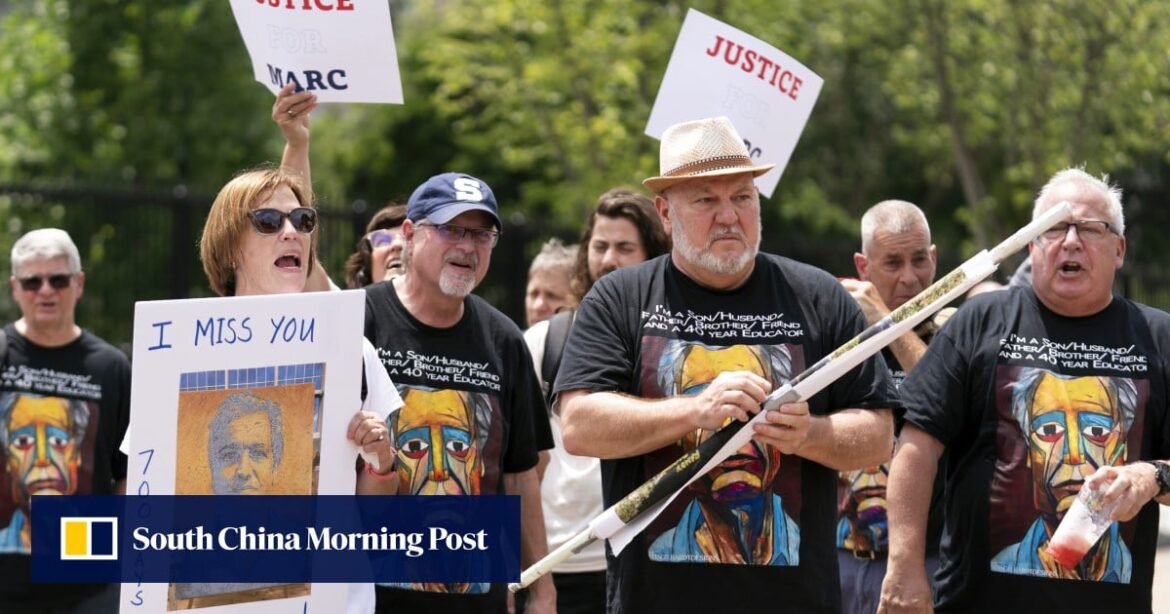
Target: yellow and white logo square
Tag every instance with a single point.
(89, 538)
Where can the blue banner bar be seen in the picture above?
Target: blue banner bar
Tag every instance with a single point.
(275, 539)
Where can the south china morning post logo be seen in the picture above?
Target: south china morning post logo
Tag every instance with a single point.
(89, 539)
(281, 539)
(260, 539)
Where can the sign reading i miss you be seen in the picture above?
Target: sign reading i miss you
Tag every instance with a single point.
(716, 69)
(269, 539)
(243, 395)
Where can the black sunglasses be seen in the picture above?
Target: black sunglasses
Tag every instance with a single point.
(59, 281)
(269, 221)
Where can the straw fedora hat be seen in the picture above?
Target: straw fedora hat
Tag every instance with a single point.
(702, 148)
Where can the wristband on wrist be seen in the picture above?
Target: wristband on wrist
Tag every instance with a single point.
(1161, 476)
(381, 476)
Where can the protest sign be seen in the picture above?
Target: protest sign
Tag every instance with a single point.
(718, 70)
(244, 395)
(343, 50)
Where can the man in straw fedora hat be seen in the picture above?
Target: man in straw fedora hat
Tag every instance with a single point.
(666, 352)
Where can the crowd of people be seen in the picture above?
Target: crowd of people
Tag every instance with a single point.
(929, 477)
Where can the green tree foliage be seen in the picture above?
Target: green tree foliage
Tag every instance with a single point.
(151, 100)
(1016, 90)
(965, 106)
(545, 100)
(128, 92)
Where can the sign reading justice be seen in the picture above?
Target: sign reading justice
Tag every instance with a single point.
(716, 69)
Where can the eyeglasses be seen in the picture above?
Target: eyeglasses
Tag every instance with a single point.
(269, 221)
(454, 234)
(383, 237)
(1087, 230)
(60, 281)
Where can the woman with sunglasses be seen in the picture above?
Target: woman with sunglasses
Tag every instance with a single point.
(379, 251)
(258, 239)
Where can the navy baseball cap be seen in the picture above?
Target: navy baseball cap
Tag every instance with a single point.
(443, 197)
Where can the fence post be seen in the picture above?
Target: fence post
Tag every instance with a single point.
(181, 243)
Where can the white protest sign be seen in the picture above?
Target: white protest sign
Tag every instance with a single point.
(716, 69)
(295, 356)
(343, 50)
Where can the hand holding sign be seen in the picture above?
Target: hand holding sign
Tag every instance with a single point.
(291, 111)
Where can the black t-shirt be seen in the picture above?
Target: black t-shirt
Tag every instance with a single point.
(67, 407)
(862, 515)
(475, 382)
(1028, 403)
(760, 536)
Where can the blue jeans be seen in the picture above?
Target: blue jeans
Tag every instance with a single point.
(861, 581)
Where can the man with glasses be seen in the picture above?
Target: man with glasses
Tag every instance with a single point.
(1032, 394)
(435, 337)
(64, 406)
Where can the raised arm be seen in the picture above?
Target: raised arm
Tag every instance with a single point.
(291, 112)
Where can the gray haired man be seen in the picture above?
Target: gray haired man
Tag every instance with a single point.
(1030, 395)
(67, 397)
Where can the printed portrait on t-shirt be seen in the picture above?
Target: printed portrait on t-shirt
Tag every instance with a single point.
(864, 526)
(1054, 432)
(743, 511)
(441, 437)
(445, 446)
(48, 450)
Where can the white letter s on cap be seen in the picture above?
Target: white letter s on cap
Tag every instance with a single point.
(467, 189)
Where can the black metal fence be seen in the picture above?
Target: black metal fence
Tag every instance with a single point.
(142, 245)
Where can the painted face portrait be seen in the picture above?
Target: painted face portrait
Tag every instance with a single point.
(43, 453)
(867, 488)
(436, 437)
(735, 514)
(244, 446)
(1074, 426)
(749, 471)
(1069, 427)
